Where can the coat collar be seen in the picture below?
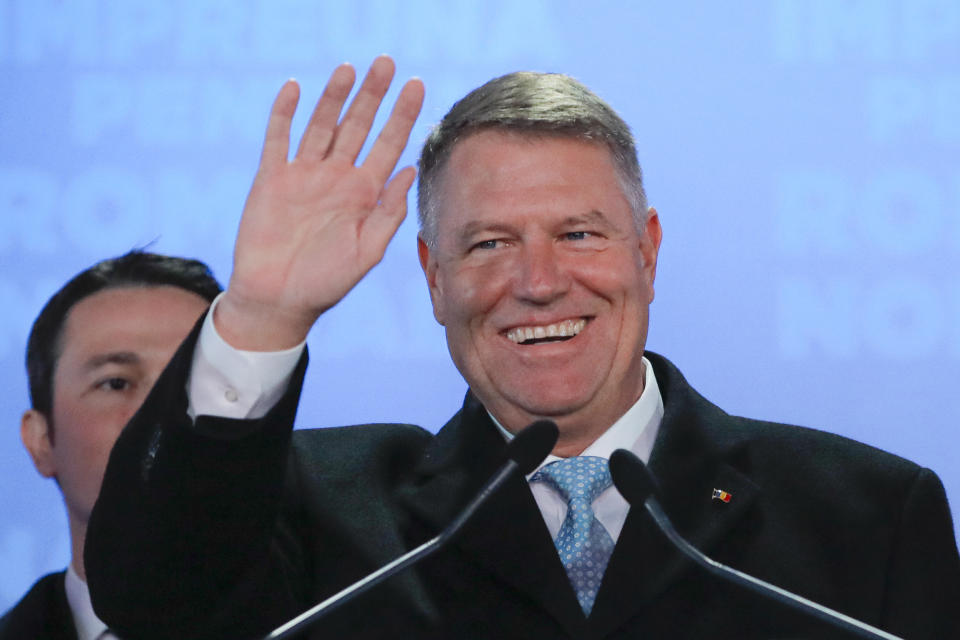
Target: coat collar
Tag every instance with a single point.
(693, 456)
(696, 452)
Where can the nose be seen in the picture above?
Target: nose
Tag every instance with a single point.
(541, 277)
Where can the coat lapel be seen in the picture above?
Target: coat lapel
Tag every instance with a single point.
(506, 536)
(690, 459)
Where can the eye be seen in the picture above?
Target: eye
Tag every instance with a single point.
(487, 244)
(577, 235)
(114, 384)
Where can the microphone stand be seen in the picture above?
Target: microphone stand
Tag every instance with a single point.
(307, 618)
(524, 453)
(862, 629)
(638, 487)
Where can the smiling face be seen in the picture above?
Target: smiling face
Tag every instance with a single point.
(542, 281)
(114, 345)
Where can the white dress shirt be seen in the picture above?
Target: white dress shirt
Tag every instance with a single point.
(636, 431)
(89, 626)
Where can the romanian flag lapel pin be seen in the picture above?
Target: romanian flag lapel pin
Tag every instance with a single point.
(721, 495)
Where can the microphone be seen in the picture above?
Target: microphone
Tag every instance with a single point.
(638, 487)
(527, 450)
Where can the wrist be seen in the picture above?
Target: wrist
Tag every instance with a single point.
(255, 326)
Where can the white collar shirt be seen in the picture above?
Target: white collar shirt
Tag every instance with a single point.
(636, 430)
(88, 625)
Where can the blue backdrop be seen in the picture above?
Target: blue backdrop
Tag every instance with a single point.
(803, 156)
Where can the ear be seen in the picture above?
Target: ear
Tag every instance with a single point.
(429, 266)
(35, 434)
(650, 247)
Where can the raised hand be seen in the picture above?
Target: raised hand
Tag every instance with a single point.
(313, 226)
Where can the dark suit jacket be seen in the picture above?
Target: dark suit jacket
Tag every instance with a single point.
(42, 614)
(240, 526)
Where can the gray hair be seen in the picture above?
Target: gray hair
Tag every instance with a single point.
(535, 104)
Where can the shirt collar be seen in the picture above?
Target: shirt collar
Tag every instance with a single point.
(636, 430)
(89, 626)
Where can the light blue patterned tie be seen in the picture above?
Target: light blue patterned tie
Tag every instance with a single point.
(583, 544)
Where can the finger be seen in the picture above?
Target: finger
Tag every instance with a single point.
(393, 139)
(323, 122)
(276, 142)
(381, 225)
(353, 130)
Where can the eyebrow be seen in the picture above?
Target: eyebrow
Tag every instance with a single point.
(114, 357)
(594, 216)
(475, 226)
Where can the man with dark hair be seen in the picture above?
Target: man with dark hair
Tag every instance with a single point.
(94, 352)
(539, 252)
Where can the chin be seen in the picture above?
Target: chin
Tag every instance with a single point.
(553, 405)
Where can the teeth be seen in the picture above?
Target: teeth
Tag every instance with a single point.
(565, 329)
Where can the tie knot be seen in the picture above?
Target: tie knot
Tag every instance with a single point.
(580, 477)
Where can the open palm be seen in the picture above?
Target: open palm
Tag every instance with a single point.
(313, 226)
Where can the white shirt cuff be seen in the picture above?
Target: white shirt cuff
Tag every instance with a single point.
(232, 383)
